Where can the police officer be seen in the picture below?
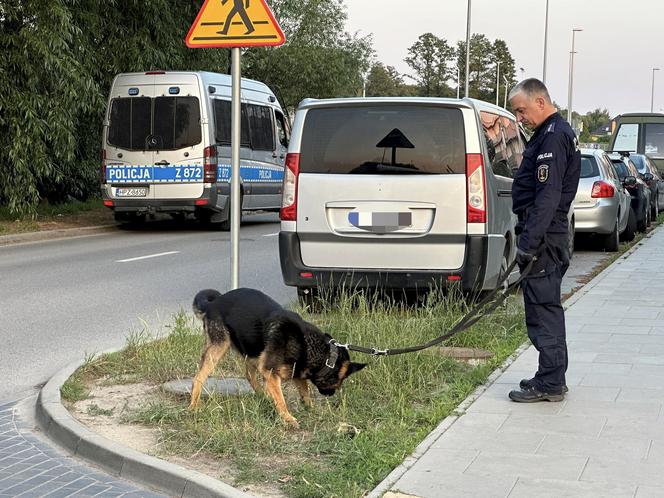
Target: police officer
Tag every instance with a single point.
(542, 193)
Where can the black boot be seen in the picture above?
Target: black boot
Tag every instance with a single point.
(526, 383)
(533, 395)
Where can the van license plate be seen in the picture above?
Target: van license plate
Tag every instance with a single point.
(131, 192)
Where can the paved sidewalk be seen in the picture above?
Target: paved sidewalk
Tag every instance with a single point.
(607, 437)
(31, 467)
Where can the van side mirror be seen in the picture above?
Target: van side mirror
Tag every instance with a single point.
(629, 181)
(647, 177)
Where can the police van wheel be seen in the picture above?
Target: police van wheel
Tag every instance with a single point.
(570, 235)
(129, 220)
(225, 226)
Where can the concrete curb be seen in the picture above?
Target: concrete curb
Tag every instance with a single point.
(115, 458)
(60, 233)
(386, 484)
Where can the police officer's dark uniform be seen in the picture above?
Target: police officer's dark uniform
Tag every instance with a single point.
(542, 193)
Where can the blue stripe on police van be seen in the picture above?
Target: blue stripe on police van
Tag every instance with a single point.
(175, 173)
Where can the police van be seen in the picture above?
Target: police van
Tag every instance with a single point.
(166, 146)
(399, 193)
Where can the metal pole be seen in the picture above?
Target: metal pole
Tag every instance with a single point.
(571, 78)
(497, 82)
(506, 85)
(546, 38)
(235, 171)
(652, 93)
(458, 81)
(467, 49)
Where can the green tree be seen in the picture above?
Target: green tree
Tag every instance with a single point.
(484, 58)
(384, 81)
(319, 59)
(430, 58)
(594, 119)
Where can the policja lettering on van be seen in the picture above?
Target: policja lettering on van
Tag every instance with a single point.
(128, 174)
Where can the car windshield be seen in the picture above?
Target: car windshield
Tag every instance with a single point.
(387, 139)
(589, 167)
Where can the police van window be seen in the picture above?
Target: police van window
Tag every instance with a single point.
(129, 122)
(282, 131)
(163, 123)
(589, 167)
(627, 137)
(177, 122)
(261, 129)
(222, 119)
(655, 139)
(496, 145)
(383, 140)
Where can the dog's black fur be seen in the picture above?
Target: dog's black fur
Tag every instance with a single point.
(276, 342)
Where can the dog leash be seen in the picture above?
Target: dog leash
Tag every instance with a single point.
(481, 309)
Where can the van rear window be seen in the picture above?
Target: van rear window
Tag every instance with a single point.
(162, 123)
(383, 139)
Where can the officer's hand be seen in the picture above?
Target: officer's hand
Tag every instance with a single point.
(523, 258)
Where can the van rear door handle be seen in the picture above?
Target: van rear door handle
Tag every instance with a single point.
(162, 163)
(504, 193)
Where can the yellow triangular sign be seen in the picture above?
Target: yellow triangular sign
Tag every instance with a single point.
(234, 23)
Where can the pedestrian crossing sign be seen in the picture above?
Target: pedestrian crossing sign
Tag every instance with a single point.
(234, 23)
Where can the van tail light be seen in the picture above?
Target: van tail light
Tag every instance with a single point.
(289, 192)
(601, 190)
(103, 166)
(476, 188)
(210, 166)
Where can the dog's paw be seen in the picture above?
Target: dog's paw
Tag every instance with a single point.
(194, 406)
(291, 422)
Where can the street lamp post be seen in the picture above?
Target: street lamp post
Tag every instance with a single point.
(467, 48)
(652, 93)
(546, 38)
(571, 78)
(506, 88)
(458, 81)
(497, 82)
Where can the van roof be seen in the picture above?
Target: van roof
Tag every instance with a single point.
(640, 115)
(464, 102)
(207, 78)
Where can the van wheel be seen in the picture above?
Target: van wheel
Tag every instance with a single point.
(504, 265)
(630, 230)
(308, 298)
(642, 224)
(225, 226)
(612, 240)
(655, 209)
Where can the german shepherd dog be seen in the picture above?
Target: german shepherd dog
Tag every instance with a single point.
(275, 342)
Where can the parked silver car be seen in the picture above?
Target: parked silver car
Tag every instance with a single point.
(602, 204)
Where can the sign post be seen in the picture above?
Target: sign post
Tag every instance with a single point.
(234, 24)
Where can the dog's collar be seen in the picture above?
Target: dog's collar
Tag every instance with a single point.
(334, 353)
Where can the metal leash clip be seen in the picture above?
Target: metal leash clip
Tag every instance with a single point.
(379, 352)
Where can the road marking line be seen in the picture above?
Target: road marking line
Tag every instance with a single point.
(147, 257)
(270, 234)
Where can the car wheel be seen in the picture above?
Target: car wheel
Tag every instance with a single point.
(570, 237)
(612, 240)
(630, 230)
(504, 265)
(642, 224)
(655, 209)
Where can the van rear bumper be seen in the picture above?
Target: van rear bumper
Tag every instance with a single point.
(472, 273)
(215, 201)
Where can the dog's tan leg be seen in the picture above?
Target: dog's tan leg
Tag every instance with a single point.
(273, 388)
(303, 388)
(211, 356)
(251, 371)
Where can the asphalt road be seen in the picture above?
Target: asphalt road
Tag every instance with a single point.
(63, 299)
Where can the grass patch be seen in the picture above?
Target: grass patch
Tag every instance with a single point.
(53, 216)
(393, 403)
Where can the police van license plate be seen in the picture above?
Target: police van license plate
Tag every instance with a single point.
(131, 192)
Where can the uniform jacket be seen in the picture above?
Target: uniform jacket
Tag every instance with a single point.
(545, 184)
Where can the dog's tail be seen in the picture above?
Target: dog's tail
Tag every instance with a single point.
(203, 300)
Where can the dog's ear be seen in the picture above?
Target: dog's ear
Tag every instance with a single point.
(354, 367)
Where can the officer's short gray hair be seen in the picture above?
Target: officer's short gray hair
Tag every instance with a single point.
(532, 88)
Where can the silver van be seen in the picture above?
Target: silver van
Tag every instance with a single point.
(166, 146)
(398, 193)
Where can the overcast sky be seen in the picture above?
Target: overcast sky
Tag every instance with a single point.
(622, 40)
